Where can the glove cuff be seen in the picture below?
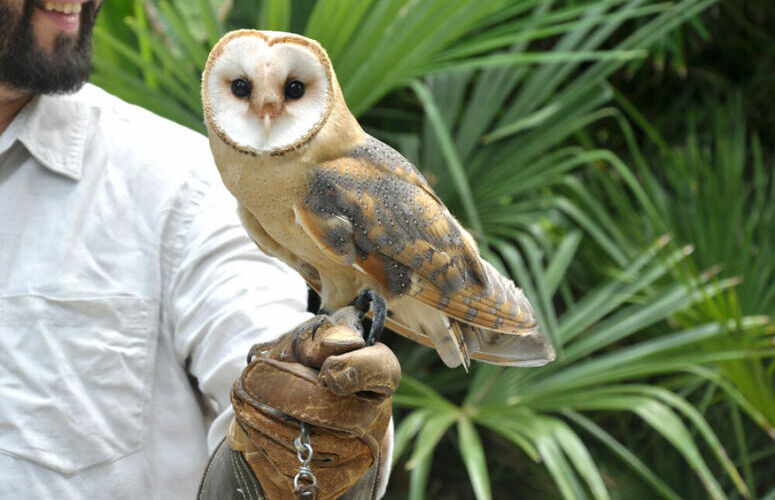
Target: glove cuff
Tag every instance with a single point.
(228, 477)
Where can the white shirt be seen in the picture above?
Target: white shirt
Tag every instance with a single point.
(129, 296)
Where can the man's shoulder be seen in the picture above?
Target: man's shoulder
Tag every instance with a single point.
(144, 139)
(140, 121)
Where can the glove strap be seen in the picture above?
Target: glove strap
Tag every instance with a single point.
(304, 453)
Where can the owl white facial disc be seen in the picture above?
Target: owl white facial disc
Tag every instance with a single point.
(267, 95)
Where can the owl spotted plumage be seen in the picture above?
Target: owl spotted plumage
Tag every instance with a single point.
(347, 211)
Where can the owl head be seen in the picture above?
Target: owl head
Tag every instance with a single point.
(266, 92)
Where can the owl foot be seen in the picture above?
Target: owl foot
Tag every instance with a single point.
(366, 298)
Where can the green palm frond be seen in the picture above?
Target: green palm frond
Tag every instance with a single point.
(540, 409)
(376, 46)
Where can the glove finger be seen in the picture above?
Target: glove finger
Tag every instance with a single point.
(286, 346)
(328, 336)
(313, 341)
(371, 369)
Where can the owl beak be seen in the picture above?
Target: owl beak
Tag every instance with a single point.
(267, 106)
(267, 124)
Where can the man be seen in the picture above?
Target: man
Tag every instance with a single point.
(129, 293)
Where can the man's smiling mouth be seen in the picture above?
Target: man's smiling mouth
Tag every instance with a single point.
(63, 7)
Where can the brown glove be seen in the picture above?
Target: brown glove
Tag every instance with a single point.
(322, 374)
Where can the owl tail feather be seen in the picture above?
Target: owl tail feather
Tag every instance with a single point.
(457, 342)
(527, 349)
(415, 320)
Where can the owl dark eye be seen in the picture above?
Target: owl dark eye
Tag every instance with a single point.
(294, 89)
(240, 88)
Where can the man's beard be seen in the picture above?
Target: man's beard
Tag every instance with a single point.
(25, 66)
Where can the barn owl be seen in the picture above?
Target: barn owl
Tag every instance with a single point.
(348, 212)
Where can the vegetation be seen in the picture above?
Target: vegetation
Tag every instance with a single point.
(603, 155)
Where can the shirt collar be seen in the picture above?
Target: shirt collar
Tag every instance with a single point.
(54, 130)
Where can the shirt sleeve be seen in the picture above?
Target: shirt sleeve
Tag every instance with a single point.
(223, 295)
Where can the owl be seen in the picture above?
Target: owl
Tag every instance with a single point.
(348, 212)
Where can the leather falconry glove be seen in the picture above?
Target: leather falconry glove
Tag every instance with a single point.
(322, 374)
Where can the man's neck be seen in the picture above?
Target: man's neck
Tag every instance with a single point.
(11, 102)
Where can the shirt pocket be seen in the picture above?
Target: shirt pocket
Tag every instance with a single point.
(75, 378)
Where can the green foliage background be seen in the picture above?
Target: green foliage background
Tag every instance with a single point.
(615, 157)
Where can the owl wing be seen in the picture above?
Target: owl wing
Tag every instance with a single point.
(373, 210)
(386, 159)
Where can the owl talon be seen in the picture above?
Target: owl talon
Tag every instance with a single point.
(366, 298)
(317, 324)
